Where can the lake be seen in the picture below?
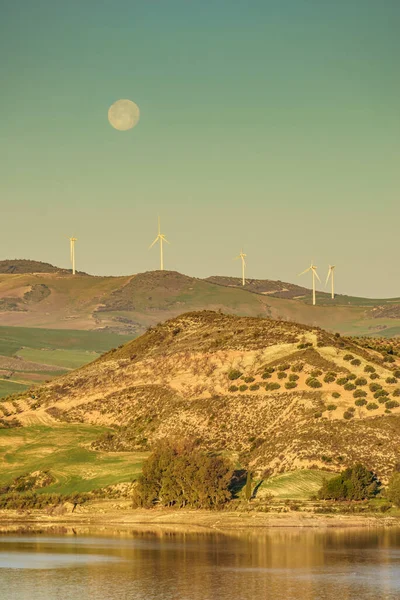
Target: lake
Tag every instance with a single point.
(284, 564)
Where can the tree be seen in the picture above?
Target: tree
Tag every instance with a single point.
(393, 490)
(248, 487)
(179, 474)
(355, 483)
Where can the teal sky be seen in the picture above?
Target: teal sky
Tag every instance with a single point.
(272, 124)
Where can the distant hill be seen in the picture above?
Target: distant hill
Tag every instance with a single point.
(277, 289)
(21, 266)
(279, 395)
(131, 304)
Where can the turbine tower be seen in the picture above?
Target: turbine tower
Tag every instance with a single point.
(72, 241)
(331, 274)
(161, 238)
(242, 256)
(313, 269)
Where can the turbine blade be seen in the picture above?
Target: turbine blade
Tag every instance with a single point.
(327, 278)
(316, 275)
(155, 241)
(165, 240)
(306, 271)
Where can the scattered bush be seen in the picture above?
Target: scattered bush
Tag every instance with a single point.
(359, 394)
(282, 375)
(371, 406)
(391, 380)
(342, 380)
(330, 377)
(369, 369)
(293, 377)
(316, 373)
(243, 387)
(297, 367)
(361, 381)
(396, 392)
(392, 404)
(374, 376)
(335, 395)
(348, 357)
(234, 374)
(360, 402)
(397, 373)
(356, 362)
(249, 379)
(380, 394)
(348, 415)
(331, 407)
(313, 383)
(349, 387)
(284, 367)
(374, 387)
(289, 385)
(233, 388)
(351, 376)
(254, 387)
(388, 358)
(266, 375)
(274, 385)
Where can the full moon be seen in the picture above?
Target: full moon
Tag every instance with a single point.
(123, 115)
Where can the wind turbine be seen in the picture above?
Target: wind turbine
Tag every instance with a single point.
(331, 274)
(72, 241)
(313, 269)
(242, 256)
(161, 238)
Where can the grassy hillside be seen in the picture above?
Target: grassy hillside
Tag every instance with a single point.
(280, 396)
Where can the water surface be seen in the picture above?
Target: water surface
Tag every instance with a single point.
(248, 565)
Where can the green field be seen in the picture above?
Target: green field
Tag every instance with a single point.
(66, 349)
(296, 485)
(64, 451)
(69, 359)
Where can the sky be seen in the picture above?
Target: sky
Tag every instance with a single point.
(272, 125)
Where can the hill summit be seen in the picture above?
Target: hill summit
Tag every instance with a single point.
(279, 395)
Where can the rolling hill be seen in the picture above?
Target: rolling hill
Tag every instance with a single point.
(278, 396)
(130, 304)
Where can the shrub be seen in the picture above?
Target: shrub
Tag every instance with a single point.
(380, 394)
(356, 362)
(355, 483)
(297, 367)
(392, 404)
(369, 369)
(269, 370)
(233, 388)
(374, 387)
(349, 387)
(249, 379)
(388, 358)
(313, 383)
(342, 380)
(359, 394)
(374, 376)
(393, 489)
(396, 392)
(361, 381)
(316, 373)
(331, 407)
(284, 367)
(266, 375)
(335, 395)
(329, 377)
(348, 414)
(293, 377)
(243, 387)
(274, 385)
(397, 373)
(289, 385)
(254, 387)
(170, 467)
(391, 380)
(371, 406)
(234, 374)
(351, 377)
(348, 357)
(360, 402)
(282, 375)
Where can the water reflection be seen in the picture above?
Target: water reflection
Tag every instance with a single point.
(164, 564)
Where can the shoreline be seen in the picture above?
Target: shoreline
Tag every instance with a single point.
(110, 515)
